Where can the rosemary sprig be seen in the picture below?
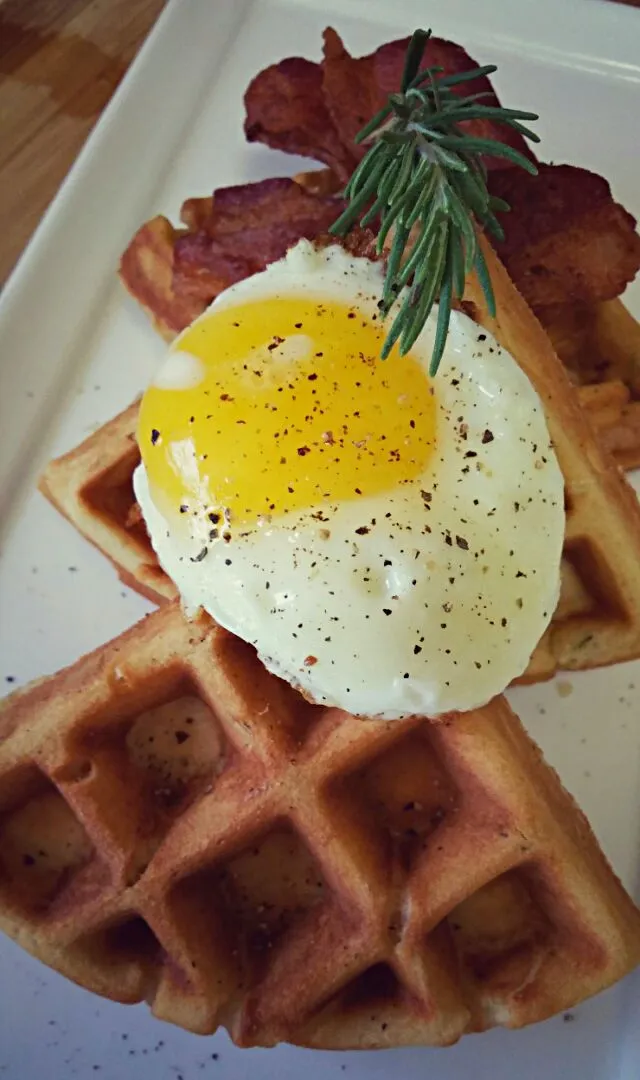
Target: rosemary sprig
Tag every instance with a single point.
(424, 178)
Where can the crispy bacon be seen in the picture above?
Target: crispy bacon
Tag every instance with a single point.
(557, 222)
(176, 273)
(355, 89)
(146, 270)
(568, 245)
(316, 110)
(286, 110)
(195, 213)
(250, 226)
(566, 240)
(319, 182)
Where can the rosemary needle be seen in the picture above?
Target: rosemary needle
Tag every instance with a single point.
(424, 179)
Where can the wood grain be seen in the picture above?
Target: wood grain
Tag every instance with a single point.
(60, 61)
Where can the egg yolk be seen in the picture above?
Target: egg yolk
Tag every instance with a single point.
(286, 406)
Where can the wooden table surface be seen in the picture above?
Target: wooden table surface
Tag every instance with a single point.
(60, 61)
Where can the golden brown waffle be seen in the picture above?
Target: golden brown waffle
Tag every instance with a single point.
(615, 418)
(598, 618)
(596, 342)
(92, 486)
(178, 825)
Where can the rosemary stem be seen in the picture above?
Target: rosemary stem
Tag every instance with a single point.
(423, 180)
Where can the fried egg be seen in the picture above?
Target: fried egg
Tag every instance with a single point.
(390, 543)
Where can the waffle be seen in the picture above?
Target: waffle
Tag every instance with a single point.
(597, 620)
(615, 418)
(177, 825)
(596, 342)
(92, 486)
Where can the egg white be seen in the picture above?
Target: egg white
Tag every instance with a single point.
(439, 604)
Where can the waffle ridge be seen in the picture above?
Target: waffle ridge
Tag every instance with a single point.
(599, 622)
(92, 486)
(306, 882)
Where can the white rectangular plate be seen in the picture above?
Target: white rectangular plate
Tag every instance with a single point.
(75, 350)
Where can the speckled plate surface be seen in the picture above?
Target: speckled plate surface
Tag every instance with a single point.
(75, 350)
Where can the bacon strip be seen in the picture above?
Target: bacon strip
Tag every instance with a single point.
(568, 245)
(566, 240)
(285, 109)
(250, 226)
(146, 270)
(355, 89)
(175, 274)
(316, 110)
